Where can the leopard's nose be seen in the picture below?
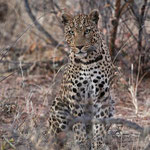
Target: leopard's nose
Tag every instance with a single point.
(79, 47)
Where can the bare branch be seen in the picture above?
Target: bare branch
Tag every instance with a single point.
(124, 6)
(11, 145)
(118, 12)
(7, 76)
(38, 25)
(141, 25)
(135, 11)
(130, 32)
(115, 22)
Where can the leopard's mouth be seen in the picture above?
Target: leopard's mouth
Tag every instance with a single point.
(86, 51)
(91, 49)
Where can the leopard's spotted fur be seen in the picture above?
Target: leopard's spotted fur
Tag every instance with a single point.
(85, 89)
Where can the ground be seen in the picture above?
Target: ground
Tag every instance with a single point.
(24, 106)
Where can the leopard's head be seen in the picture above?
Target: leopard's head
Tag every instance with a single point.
(81, 32)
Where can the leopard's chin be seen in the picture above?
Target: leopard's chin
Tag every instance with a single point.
(84, 52)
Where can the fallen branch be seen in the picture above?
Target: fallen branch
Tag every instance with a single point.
(144, 131)
(27, 65)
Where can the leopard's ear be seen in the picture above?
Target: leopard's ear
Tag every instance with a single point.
(94, 15)
(66, 17)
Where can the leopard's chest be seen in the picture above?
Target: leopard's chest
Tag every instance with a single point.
(88, 83)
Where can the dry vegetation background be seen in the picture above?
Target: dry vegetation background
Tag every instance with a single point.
(33, 53)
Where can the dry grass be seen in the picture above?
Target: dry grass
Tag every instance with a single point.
(24, 114)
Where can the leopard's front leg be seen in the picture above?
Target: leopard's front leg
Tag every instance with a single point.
(102, 109)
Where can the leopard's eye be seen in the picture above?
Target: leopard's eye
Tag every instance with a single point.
(71, 32)
(87, 31)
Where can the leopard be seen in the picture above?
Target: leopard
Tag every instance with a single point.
(84, 94)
